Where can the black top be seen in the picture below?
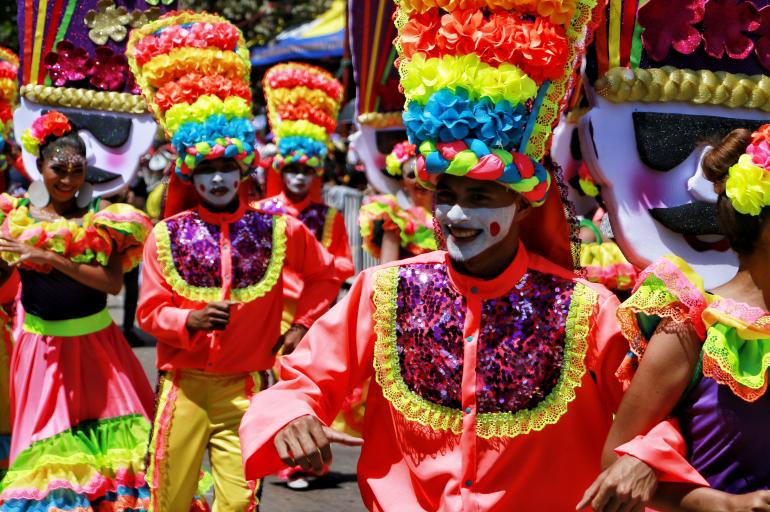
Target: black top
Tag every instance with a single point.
(56, 296)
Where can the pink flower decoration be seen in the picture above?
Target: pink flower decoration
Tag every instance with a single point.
(66, 64)
(724, 24)
(108, 71)
(762, 45)
(760, 154)
(669, 24)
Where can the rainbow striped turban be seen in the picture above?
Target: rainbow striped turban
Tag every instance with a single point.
(193, 69)
(485, 82)
(302, 105)
(9, 69)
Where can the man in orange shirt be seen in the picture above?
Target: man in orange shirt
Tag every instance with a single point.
(303, 103)
(212, 276)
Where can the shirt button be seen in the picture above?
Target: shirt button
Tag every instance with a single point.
(468, 483)
(474, 290)
(469, 339)
(468, 410)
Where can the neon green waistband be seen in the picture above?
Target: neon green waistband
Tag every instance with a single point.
(72, 327)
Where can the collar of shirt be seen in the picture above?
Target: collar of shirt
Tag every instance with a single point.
(490, 288)
(222, 217)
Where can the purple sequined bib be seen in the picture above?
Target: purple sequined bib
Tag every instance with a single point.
(195, 249)
(520, 347)
(313, 217)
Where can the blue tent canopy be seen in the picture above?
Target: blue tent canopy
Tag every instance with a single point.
(321, 38)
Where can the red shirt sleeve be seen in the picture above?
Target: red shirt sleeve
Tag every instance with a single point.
(334, 357)
(340, 249)
(156, 312)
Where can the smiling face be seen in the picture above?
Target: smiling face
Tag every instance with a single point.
(297, 179)
(63, 173)
(646, 158)
(114, 142)
(217, 182)
(476, 219)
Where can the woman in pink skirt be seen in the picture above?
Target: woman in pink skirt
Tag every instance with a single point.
(80, 401)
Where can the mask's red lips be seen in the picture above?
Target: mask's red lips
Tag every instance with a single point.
(721, 245)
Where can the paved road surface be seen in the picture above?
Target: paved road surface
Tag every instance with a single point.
(336, 491)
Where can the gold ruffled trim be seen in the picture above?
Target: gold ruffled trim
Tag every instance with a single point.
(205, 294)
(85, 98)
(328, 232)
(488, 425)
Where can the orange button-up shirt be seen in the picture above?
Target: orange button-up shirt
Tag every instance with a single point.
(453, 420)
(198, 256)
(331, 233)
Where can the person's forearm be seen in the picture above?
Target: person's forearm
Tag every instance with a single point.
(672, 497)
(107, 279)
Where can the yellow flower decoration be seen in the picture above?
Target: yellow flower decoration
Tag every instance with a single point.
(748, 186)
(107, 22)
(205, 106)
(301, 128)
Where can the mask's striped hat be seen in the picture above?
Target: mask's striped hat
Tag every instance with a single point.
(193, 69)
(303, 102)
(485, 81)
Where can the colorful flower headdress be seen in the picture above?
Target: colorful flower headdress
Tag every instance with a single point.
(401, 153)
(51, 124)
(303, 102)
(705, 52)
(9, 69)
(485, 81)
(193, 69)
(748, 181)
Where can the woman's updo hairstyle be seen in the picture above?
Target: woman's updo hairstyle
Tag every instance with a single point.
(742, 230)
(69, 140)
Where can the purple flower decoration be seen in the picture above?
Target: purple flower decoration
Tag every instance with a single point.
(66, 64)
(108, 71)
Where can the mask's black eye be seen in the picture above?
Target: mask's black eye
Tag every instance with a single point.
(111, 130)
(664, 141)
(574, 146)
(386, 139)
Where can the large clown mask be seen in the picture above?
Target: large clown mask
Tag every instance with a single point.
(662, 89)
(114, 142)
(74, 62)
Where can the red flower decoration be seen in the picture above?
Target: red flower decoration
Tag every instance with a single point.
(8, 70)
(419, 34)
(199, 35)
(540, 50)
(53, 123)
(194, 85)
(108, 71)
(292, 75)
(457, 31)
(6, 113)
(762, 45)
(669, 24)
(66, 64)
(304, 110)
(723, 25)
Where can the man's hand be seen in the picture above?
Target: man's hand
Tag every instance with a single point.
(214, 317)
(623, 487)
(306, 442)
(291, 339)
(758, 501)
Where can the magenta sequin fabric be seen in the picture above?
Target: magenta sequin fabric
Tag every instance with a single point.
(314, 218)
(429, 329)
(195, 249)
(520, 350)
(521, 343)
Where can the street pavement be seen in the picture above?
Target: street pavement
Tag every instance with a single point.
(336, 491)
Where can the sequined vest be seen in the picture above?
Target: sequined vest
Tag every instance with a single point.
(190, 252)
(521, 352)
(317, 217)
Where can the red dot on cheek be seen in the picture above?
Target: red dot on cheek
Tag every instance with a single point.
(201, 188)
(494, 229)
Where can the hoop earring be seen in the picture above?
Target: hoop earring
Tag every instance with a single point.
(85, 195)
(38, 194)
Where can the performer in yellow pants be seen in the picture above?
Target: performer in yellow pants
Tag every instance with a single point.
(205, 411)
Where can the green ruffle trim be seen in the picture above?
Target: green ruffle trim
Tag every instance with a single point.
(82, 455)
(746, 361)
(415, 227)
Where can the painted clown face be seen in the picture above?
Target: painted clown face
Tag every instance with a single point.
(646, 157)
(372, 145)
(114, 142)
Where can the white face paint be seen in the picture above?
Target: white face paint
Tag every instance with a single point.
(297, 184)
(471, 231)
(217, 188)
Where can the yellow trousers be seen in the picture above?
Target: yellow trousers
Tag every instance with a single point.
(196, 412)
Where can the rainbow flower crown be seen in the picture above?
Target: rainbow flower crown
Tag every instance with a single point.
(193, 69)
(401, 153)
(748, 181)
(303, 102)
(485, 82)
(50, 124)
